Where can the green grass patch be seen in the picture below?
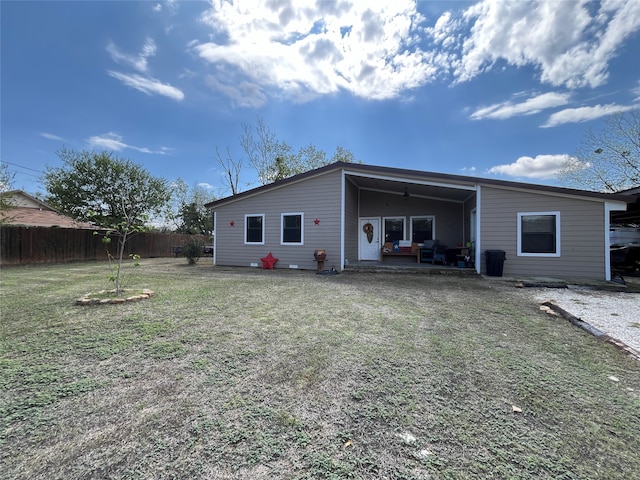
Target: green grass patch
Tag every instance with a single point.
(244, 373)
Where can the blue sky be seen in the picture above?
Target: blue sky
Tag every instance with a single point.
(494, 89)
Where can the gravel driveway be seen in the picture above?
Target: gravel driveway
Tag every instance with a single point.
(615, 313)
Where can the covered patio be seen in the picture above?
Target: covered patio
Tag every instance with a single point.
(413, 212)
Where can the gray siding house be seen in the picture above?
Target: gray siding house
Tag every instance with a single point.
(353, 210)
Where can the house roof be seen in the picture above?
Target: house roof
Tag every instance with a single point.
(18, 198)
(31, 212)
(398, 179)
(632, 191)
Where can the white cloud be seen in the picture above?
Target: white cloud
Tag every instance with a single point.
(636, 92)
(186, 73)
(51, 136)
(571, 43)
(306, 48)
(530, 106)
(170, 5)
(144, 82)
(110, 141)
(148, 85)
(113, 141)
(540, 167)
(378, 50)
(206, 185)
(584, 114)
(447, 30)
(137, 62)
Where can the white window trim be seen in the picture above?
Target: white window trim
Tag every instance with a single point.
(558, 243)
(404, 226)
(282, 215)
(433, 225)
(246, 242)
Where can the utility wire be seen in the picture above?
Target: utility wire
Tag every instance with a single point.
(21, 166)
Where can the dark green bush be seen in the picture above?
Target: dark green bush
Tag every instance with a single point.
(193, 250)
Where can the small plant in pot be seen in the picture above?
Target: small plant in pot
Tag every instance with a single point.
(193, 249)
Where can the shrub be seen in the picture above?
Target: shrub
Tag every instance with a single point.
(193, 249)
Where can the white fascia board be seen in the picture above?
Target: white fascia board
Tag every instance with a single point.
(412, 180)
(608, 208)
(478, 245)
(343, 207)
(615, 206)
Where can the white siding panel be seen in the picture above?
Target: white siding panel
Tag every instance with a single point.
(582, 233)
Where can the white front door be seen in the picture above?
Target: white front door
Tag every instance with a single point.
(369, 235)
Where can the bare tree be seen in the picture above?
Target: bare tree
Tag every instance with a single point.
(608, 160)
(272, 159)
(231, 170)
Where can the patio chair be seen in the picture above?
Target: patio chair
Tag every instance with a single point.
(433, 252)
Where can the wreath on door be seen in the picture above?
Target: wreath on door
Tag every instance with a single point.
(368, 229)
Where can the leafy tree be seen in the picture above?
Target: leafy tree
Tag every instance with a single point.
(608, 160)
(6, 185)
(275, 160)
(195, 220)
(111, 192)
(187, 209)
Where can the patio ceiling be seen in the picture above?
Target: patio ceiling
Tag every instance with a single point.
(414, 188)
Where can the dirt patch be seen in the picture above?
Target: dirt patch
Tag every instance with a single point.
(107, 297)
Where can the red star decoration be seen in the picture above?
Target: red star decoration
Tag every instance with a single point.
(317, 221)
(269, 261)
(232, 223)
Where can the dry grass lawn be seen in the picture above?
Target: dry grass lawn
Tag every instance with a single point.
(244, 373)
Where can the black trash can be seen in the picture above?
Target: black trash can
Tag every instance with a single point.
(495, 262)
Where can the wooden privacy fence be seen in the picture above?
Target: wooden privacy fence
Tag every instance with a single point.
(23, 245)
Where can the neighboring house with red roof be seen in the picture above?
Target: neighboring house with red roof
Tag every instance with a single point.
(28, 211)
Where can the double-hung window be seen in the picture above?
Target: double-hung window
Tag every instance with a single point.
(539, 234)
(393, 229)
(292, 229)
(422, 229)
(254, 229)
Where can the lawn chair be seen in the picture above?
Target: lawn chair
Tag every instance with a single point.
(433, 252)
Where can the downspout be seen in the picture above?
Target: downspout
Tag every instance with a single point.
(478, 229)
